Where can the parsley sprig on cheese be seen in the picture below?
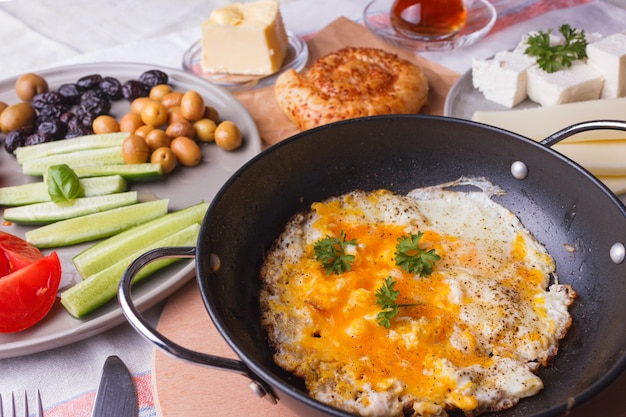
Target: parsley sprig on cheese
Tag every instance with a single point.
(386, 298)
(552, 58)
(411, 258)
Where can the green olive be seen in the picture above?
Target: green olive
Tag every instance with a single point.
(159, 91)
(138, 104)
(29, 85)
(172, 99)
(135, 150)
(105, 124)
(205, 130)
(130, 122)
(16, 116)
(228, 136)
(143, 130)
(154, 113)
(177, 129)
(192, 106)
(174, 115)
(165, 157)
(157, 138)
(211, 112)
(186, 150)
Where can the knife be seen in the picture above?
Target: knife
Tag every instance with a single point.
(116, 395)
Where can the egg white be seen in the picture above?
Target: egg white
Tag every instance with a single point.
(486, 319)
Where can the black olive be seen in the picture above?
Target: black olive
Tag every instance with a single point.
(71, 92)
(133, 89)
(67, 116)
(93, 103)
(38, 137)
(16, 138)
(89, 82)
(153, 77)
(56, 128)
(112, 88)
(46, 99)
(78, 130)
(51, 112)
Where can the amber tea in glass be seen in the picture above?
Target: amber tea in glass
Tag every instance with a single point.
(428, 19)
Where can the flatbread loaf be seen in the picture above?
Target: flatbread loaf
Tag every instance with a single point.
(351, 82)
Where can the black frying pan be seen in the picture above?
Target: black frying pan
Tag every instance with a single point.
(581, 223)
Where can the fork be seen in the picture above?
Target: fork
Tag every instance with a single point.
(26, 413)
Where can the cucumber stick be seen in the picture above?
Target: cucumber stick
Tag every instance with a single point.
(104, 156)
(95, 226)
(105, 140)
(48, 212)
(37, 192)
(105, 253)
(97, 289)
(132, 172)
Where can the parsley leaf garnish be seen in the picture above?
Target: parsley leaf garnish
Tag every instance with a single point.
(552, 58)
(331, 252)
(386, 298)
(411, 258)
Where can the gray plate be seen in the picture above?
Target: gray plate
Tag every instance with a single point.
(183, 187)
(463, 100)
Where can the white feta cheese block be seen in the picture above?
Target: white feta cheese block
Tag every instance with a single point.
(609, 57)
(579, 82)
(502, 79)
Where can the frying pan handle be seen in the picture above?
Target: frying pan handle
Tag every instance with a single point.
(583, 127)
(168, 346)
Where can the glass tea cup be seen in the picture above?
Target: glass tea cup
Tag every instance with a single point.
(428, 19)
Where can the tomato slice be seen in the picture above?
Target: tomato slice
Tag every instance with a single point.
(17, 252)
(28, 294)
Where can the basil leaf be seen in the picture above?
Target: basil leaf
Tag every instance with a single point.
(63, 184)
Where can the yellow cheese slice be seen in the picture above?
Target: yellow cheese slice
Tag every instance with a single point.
(244, 38)
(615, 184)
(541, 122)
(601, 158)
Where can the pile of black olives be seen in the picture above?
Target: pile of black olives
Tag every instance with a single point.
(71, 109)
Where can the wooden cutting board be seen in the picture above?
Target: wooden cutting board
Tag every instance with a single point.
(183, 389)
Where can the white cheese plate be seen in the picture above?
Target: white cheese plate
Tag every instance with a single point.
(463, 100)
(184, 187)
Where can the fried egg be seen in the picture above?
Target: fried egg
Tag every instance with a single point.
(476, 331)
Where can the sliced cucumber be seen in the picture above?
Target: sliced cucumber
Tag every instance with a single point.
(105, 140)
(37, 192)
(105, 253)
(131, 172)
(104, 156)
(43, 213)
(97, 289)
(95, 226)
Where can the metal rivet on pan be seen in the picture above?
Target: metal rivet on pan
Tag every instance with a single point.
(261, 392)
(618, 252)
(519, 170)
(214, 262)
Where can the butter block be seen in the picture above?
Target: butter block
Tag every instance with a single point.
(502, 79)
(579, 82)
(608, 55)
(244, 38)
